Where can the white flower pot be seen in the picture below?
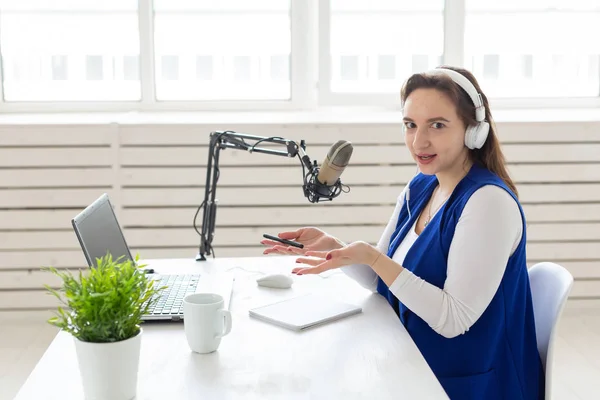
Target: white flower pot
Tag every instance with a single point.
(109, 371)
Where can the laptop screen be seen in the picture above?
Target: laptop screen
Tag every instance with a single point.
(98, 232)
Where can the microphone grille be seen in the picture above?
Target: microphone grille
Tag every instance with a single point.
(339, 154)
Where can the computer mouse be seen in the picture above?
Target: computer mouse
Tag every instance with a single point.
(279, 281)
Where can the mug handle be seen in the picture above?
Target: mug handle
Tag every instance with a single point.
(226, 315)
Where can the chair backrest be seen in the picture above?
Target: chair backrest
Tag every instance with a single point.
(550, 287)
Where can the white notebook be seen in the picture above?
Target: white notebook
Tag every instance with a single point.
(303, 312)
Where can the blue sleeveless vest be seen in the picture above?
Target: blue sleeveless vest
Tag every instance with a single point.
(497, 358)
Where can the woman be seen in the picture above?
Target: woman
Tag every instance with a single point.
(451, 261)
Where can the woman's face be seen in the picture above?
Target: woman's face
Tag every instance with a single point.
(434, 133)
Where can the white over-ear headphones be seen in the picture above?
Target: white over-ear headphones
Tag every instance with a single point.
(475, 135)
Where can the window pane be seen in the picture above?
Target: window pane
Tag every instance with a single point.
(94, 68)
(69, 50)
(226, 49)
(280, 67)
(534, 48)
(376, 44)
(204, 67)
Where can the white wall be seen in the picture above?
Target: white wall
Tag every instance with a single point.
(155, 175)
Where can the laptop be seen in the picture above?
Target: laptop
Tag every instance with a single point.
(99, 232)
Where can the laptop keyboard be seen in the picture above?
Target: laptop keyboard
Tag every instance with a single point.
(170, 300)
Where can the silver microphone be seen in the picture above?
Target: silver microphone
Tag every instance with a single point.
(335, 162)
(323, 183)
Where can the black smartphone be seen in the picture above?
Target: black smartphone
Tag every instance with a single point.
(284, 241)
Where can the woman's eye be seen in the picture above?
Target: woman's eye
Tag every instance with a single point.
(438, 125)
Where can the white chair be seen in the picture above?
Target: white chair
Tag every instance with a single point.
(550, 287)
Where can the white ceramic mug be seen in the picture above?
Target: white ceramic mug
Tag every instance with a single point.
(205, 321)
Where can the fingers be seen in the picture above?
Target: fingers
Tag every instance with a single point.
(317, 269)
(290, 235)
(286, 250)
(268, 242)
(309, 261)
(296, 250)
(319, 254)
(290, 249)
(323, 261)
(277, 249)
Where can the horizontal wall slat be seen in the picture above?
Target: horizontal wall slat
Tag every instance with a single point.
(550, 251)
(556, 193)
(198, 156)
(284, 216)
(184, 134)
(587, 253)
(307, 215)
(585, 289)
(152, 237)
(559, 251)
(79, 198)
(248, 236)
(40, 299)
(226, 216)
(146, 197)
(579, 269)
(548, 132)
(551, 153)
(61, 177)
(246, 176)
(34, 259)
(56, 135)
(531, 132)
(33, 279)
(562, 212)
(36, 278)
(566, 231)
(313, 134)
(51, 198)
(253, 196)
(291, 174)
(26, 299)
(56, 157)
(555, 173)
(74, 259)
(36, 219)
(362, 154)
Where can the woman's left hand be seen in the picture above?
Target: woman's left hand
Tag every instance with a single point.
(354, 253)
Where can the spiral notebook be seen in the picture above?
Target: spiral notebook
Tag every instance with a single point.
(304, 312)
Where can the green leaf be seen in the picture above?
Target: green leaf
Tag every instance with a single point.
(105, 304)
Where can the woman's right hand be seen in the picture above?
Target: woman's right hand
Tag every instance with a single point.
(312, 238)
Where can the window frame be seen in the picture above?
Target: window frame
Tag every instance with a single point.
(309, 72)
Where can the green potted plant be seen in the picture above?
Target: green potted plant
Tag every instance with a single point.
(102, 309)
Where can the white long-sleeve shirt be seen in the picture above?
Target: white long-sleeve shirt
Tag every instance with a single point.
(487, 233)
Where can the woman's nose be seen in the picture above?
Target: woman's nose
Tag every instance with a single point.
(420, 139)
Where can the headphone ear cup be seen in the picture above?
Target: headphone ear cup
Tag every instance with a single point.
(476, 135)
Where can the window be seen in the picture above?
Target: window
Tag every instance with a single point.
(69, 50)
(222, 50)
(289, 54)
(534, 48)
(374, 45)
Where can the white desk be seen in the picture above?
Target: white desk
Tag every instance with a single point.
(366, 356)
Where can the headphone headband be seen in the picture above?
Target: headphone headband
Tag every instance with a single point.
(468, 87)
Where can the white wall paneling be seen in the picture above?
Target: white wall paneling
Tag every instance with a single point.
(155, 175)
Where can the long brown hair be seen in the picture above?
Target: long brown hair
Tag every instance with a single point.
(490, 155)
